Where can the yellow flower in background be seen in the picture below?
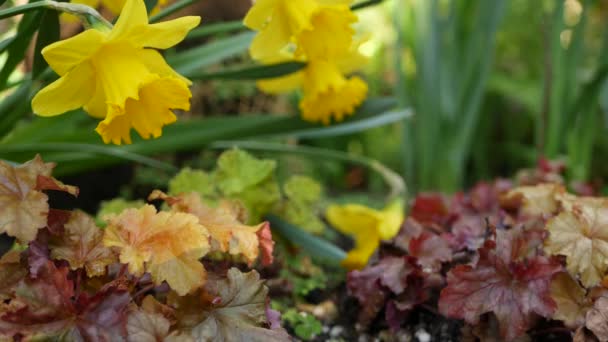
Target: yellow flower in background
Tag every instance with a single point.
(367, 226)
(328, 94)
(330, 35)
(118, 75)
(277, 22)
(331, 52)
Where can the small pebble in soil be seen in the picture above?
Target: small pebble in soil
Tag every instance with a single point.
(423, 336)
(336, 331)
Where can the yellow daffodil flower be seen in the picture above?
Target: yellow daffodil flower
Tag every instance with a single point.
(326, 43)
(367, 226)
(279, 21)
(117, 75)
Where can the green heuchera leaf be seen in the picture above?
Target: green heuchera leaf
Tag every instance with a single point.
(237, 170)
(302, 189)
(304, 325)
(260, 199)
(188, 180)
(115, 206)
(303, 216)
(303, 194)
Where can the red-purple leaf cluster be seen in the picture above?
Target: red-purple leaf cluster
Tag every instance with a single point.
(495, 250)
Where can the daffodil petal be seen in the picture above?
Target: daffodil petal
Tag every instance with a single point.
(97, 106)
(259, 14)
(366, 244)
(166, 34)
(132, 17)
(122, 75)
(155, 62)
(268, 43)
(281, 84)
(69, 92)
(64, 55)
(393, 216)
(352, 218)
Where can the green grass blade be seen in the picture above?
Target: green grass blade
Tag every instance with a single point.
(256, 72)
(195, 59)
(316, 247)
(215, 29)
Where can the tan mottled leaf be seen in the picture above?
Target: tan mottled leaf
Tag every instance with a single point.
(582, 236)
(234, 310)
(537, 200)
(597, 319)
(23, 206)
(81, 245)
(571, 299)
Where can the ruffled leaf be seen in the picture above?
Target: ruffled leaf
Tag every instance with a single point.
(514, 291)
(225, 225)
(234, 309)
(23, 206)
(81, 245)
(168, 245)
(582, 236)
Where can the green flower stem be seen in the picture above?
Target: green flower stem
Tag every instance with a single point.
(89, 15)
(365, 4)
(392, 179)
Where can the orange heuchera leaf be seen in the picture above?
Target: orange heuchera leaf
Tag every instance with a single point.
(81, 245)
(513, 290)
(23, 206)
(166, 244)
(570, 297)
(266, 244)
(228, 233)
(582, 236)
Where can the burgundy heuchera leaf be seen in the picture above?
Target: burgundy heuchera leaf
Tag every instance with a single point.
(374, 284)
(513, 290)
(430, 251)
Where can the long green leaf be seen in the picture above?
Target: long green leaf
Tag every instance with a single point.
(87, 149)
(195, 134)
(46, 36)
(14, 107)
(215, 28)
(16, 50)
(252, 72)
(316, 247)
(195, 59)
